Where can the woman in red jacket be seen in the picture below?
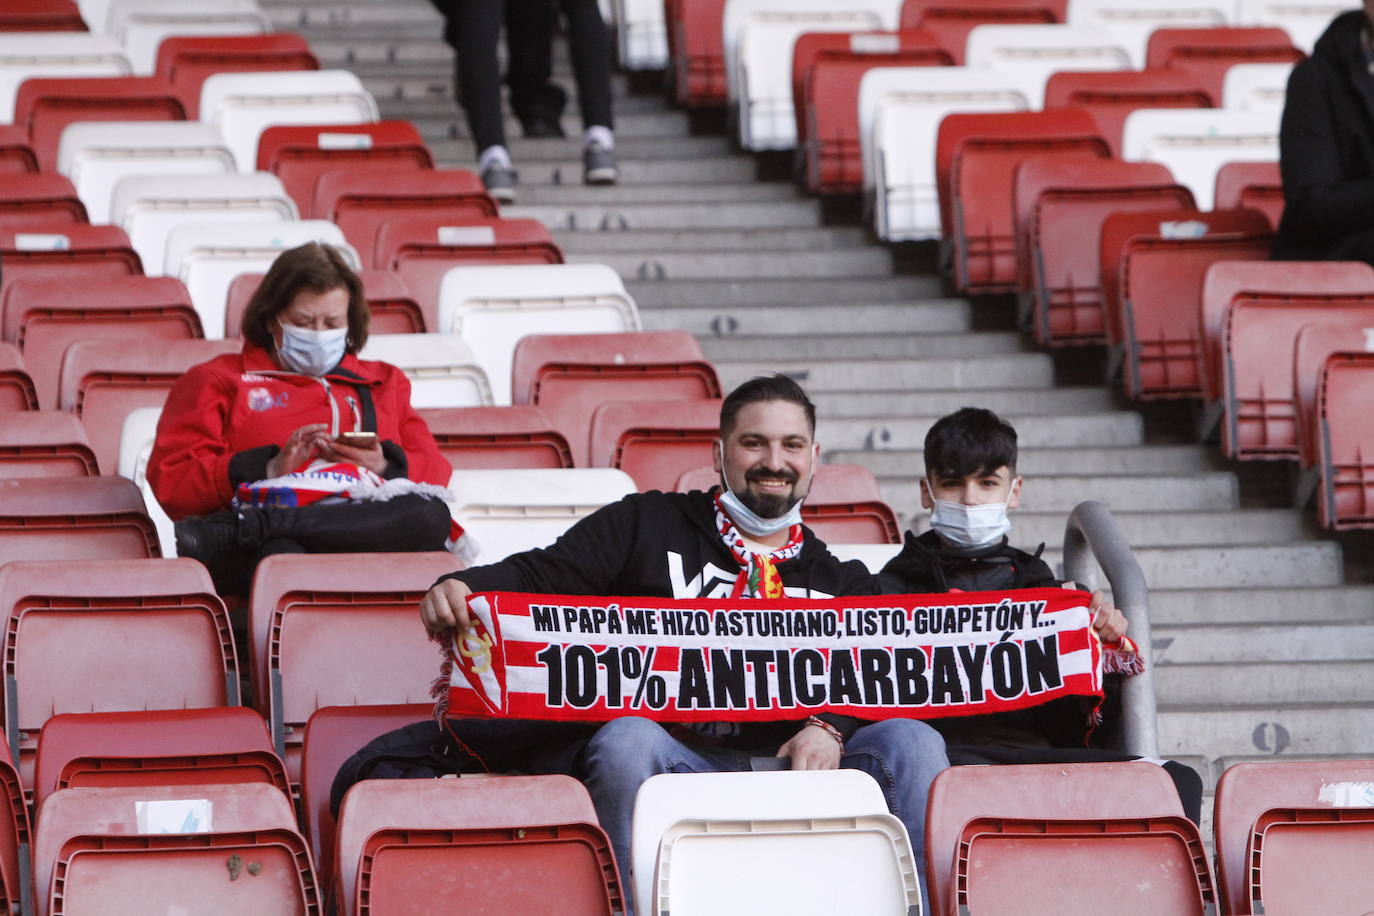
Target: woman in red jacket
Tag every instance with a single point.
(295, 397)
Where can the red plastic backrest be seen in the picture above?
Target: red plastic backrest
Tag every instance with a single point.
(654, 441)
(516, 436)
(187, 61)
(1108, 96)
(45, 443)
(299, 154)
(47, 105)
(1316, 341)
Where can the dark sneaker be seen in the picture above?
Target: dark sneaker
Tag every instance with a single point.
(500, 182)
(541, 126)
(598, 165)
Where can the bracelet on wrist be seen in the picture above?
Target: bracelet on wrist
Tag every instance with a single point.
(831, 730)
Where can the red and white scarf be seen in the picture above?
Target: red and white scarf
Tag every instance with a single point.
(758, 576)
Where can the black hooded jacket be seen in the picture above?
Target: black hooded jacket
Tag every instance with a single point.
(1327, 150)
(665, 545)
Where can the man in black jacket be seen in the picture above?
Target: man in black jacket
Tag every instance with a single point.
(1326, 147)
(741, 540)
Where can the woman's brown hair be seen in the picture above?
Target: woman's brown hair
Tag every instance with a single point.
(315, 267)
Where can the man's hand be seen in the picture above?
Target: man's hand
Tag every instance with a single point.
(1108, 622)
(812, 748)
(300, 447)
(445, 606)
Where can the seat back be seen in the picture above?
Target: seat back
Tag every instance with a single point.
(1304, 22)
(1315, 342)
(102, 380)
(16, 156)
(339, 629)
(1059, 215)
(1347, 496)
(82, 518)
(952, 20)
(641, 35)
(1131, 22)
(1194, 143)
(31, 200)
(1254, 87)
(25, 56)
(1256, 185)
(1108, 96)
(697, 51)
(186, 61)
(442, 368)
(1210, 52)
(142, 24)
(16, 386)
(517, 436)
(492, 308)
(47, 106)
(1081, 791)
(44, 443)
(655, 441)
(1247, 790)
(16, 838)
(1031, 53)
(298, 155)
(41, 16)
(63, 249)
(508, 511)
(45, 315)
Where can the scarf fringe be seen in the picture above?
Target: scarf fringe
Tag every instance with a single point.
(1121, 661)
(438, 690)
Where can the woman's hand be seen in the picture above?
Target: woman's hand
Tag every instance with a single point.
(370, 457)
(300, 447)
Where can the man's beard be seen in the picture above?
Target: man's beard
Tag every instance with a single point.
(769, 505)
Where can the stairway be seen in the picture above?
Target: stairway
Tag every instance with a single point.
(1261, 647)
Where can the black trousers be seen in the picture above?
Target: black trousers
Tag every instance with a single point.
(474, 27)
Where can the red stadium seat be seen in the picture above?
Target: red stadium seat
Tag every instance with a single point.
(16, 386)
(975, 158)
(394, 310)
(243, 855)
(339, 630)
(1154, 262)
(102, 380)
(1059, 214)
(1125, 865)
(399, 839)
(1108, 96)
(827, 68)
(1347, 470)
(1256, 185)
(44, 443)
(54, 247)
(655, 442)
(41, 16)
(1098, 791)
(85, 639)
(1210, 52)
(298, 155)
(43, 315)
(162, 747)
(569, 375)
(951, 20)
(421, 249)
(1258, 397)
(185, 61)
(1314, 343)
(16, 156)
(16, 892)
(1247, 790)
(519, 436)
(1227, 280)
(46, 105)
(361, 199)
(697, 48)
(333, 734)
(37, 199)
(74, 518)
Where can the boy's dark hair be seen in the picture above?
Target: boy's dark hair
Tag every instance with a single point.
(970, 441)
(764, 388)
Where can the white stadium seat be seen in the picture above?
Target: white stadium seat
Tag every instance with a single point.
(34, 54)
(905, 105)
(507, 511)
(441, 368)
(243, 105)
(493, 307)
(1132, 21)
(1195, 142)
(135, 446)
(148, 207)
(96, 154)
(874, 556)
(1304, 20)
(1031, 53)
(140, 25)
(208, 256)
(642, 34)
(1255, 86)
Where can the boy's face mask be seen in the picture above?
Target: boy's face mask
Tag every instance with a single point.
(969, 526)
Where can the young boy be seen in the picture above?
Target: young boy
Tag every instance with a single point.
(969, 485)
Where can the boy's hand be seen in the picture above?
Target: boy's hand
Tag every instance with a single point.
(1108, 622)
(445, 606)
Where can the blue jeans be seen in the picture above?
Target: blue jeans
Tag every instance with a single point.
(902, 755)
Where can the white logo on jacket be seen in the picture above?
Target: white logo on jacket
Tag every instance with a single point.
(714, 582)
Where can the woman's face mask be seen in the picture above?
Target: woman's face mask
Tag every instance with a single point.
(311, 352)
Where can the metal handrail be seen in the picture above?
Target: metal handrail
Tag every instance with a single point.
(1092, 533)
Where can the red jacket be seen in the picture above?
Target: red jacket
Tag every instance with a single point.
(225, 419)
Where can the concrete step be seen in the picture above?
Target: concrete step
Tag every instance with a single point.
(712, 241)
(1116, 428)
(1213, 645)
(1033, 462)
(693, 172)
(1215, 490)
(669, 265)
(344, 47)
(1022, 401)
(1248, 604)
(440, 121)
(568, 149)
(1152, 528)
(331, 18)
(1268, 728)
(1271, 682)
(783, 322)
(1235, 565)
(846, 291)
(659, 194)
(855, 346)
(1034, 370)
(596, 209)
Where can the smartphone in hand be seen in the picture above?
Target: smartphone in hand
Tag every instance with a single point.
(357, 439)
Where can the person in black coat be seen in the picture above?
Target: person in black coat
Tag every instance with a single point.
(1326, 147)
